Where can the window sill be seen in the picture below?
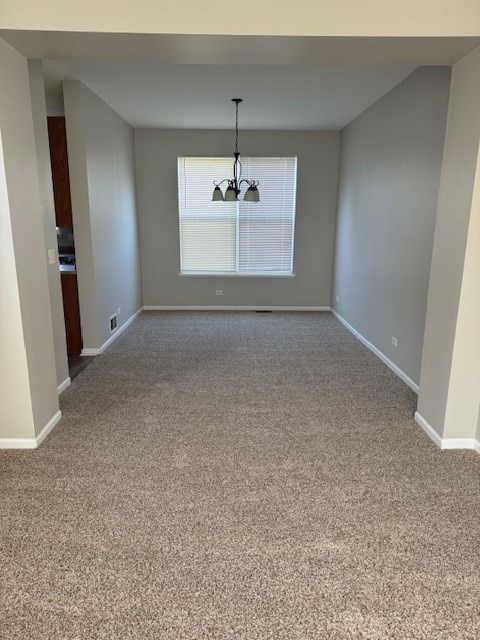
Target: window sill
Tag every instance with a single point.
(209, 274)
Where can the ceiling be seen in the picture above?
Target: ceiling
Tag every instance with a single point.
(187, 81)
(223, 49)
(150, 95)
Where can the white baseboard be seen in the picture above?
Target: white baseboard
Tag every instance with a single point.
(31, 443)
(446, 443)
(63, 385)
(90, 352)
(429, 430)
(217, 307)
(48, 427)
(461, 443)
(114, 336)
(401, 374)
(18, 443)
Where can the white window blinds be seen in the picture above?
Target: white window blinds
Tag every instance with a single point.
(237, 237)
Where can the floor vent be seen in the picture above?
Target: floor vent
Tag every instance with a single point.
(113, 322)
(263, 311)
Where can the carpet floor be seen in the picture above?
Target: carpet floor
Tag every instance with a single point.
(239, 475)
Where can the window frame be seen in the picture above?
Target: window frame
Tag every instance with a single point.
(237, 274)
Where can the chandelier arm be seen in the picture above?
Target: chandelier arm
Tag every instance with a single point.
(217, 183)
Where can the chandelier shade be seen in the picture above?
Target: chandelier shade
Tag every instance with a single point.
(251, 194)
(230, 193)
(217, 194)
(234, 187)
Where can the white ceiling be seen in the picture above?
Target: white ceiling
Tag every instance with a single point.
(187, 81)
(198, 95)
(217, 49)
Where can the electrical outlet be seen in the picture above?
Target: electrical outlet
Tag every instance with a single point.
(52, 258)
(394, 341)
(219, 292)
(337, 298)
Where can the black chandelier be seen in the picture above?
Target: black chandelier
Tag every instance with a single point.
(234, 185)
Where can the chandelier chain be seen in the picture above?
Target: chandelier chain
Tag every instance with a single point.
(236, 127)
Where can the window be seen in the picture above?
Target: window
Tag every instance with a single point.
(236, 238)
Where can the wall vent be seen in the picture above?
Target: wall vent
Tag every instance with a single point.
(113, 322)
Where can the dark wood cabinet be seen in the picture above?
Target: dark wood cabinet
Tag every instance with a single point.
(71, 311)
(57, 136)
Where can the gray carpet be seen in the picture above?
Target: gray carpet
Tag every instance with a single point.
(239, 475)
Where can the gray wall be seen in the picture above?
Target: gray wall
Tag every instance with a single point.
(157, 197)
(37, 95)
(390, 163)
(102, 173)
(450, 379)
(28, 384)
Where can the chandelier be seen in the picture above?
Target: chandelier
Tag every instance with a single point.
(234, 185)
